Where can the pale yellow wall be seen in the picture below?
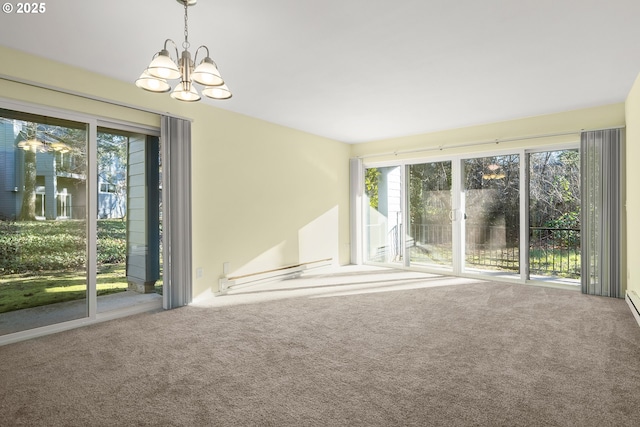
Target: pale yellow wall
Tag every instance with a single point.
(26, 67)
(633, 188)
(264, 196)
(571, 121)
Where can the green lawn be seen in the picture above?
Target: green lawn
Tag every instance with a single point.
(43, 262)
(18, 291)
(562, 263)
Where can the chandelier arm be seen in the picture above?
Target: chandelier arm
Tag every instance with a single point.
(175, 47)
(195, 55)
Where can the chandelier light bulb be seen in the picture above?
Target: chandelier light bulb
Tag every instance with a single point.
(153, 84)
(163, 66)
(32, 145)
(207, 73)
(217, 92)
(60, 147)
(185, 91)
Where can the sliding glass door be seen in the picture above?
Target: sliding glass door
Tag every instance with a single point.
(128, 189)
(509, 215)
(492, 215)
(429, 240)
(43, 221)
(80, 231)
(383, 210)
(554, 215)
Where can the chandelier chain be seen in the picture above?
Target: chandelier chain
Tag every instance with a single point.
(186, 44)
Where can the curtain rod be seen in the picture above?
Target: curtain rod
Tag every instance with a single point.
(471, 144)
(89, 97)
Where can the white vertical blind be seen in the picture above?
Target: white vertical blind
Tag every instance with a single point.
(176, 213)
(601, 212)
(356, 177)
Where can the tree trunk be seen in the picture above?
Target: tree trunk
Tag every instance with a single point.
(28, 211)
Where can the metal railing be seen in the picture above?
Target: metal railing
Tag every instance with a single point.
(552, 251)
(431, 244)
(492, 247)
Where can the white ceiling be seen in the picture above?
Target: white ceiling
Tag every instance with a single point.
(360, 70)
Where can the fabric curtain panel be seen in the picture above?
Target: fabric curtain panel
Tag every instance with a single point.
(176, 215)
(356, 175)
(601, 212)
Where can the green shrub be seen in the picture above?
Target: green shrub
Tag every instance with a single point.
(57, 245)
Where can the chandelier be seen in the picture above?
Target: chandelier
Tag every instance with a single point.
(48, 142)
(163, 68)
(36, 146)
(494, 172)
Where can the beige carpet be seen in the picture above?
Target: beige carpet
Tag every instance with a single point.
(402, 351)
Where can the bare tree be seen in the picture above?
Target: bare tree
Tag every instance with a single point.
(28, 209)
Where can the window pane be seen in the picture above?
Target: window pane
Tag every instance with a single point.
(430, 233)
(383, 214)
(128, 247)
(492, 208)
(43, 221)
(554, 215)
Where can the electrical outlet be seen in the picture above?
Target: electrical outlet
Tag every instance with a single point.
(199, 273)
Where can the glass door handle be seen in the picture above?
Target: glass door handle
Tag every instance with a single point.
(452, 215)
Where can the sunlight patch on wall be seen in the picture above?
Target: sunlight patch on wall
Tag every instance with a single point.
(268, 260)
(318, 239)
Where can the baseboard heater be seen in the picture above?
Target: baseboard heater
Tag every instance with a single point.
(282, 273)
(634, 304)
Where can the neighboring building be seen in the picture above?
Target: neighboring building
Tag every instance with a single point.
(112, 179)
(60, 191)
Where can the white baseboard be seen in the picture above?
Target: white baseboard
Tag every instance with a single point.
(288, 272)
(634, 304)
